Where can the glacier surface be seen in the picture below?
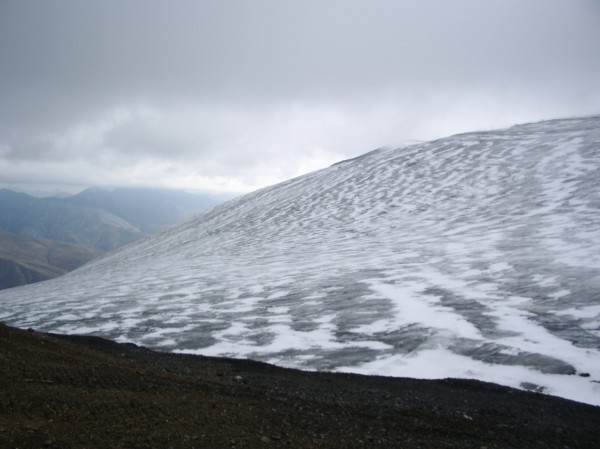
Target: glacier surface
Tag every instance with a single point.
(474, 256)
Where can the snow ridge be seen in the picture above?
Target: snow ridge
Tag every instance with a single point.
(477, 256)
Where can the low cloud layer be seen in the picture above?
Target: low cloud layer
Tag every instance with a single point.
(237, 95)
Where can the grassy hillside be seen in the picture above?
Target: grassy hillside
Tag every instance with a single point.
(150, 210)
(24, 260)
(51, 218)
(41, 238)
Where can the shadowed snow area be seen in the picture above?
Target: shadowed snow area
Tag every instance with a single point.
(473, 256)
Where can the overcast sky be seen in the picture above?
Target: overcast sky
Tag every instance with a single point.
(235, 95)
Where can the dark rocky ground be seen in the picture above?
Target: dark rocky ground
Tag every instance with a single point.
(86, 392)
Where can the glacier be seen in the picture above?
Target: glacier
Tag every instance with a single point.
(472, 256)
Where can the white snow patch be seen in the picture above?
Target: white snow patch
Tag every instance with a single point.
(440, 363)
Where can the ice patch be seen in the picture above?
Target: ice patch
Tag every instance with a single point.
(581, 312)
(499, 266)
(559, 294)
(414, 307)
(278, 310)
(441, 363)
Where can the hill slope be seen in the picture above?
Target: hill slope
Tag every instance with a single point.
(25, 260)
(54, 219)
(150, 210)
(473, 256)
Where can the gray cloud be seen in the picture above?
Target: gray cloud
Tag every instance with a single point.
(238, 94)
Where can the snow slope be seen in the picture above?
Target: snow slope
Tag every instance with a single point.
(473, 256)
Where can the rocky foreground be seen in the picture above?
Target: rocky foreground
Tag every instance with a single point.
(86, 392)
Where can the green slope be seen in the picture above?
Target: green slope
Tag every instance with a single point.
(51, 218)
(24, 260)
(149, 209)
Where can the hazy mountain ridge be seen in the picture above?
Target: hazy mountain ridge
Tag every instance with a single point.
(97, 218)
(54, 219)
(150, 210)
(475, 256)
(25, 260)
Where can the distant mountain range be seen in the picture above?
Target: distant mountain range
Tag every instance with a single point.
(25, 260)
(87, 224)
(58, 219)
(150, 210)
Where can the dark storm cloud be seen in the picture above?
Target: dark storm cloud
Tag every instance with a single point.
(230, 84)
